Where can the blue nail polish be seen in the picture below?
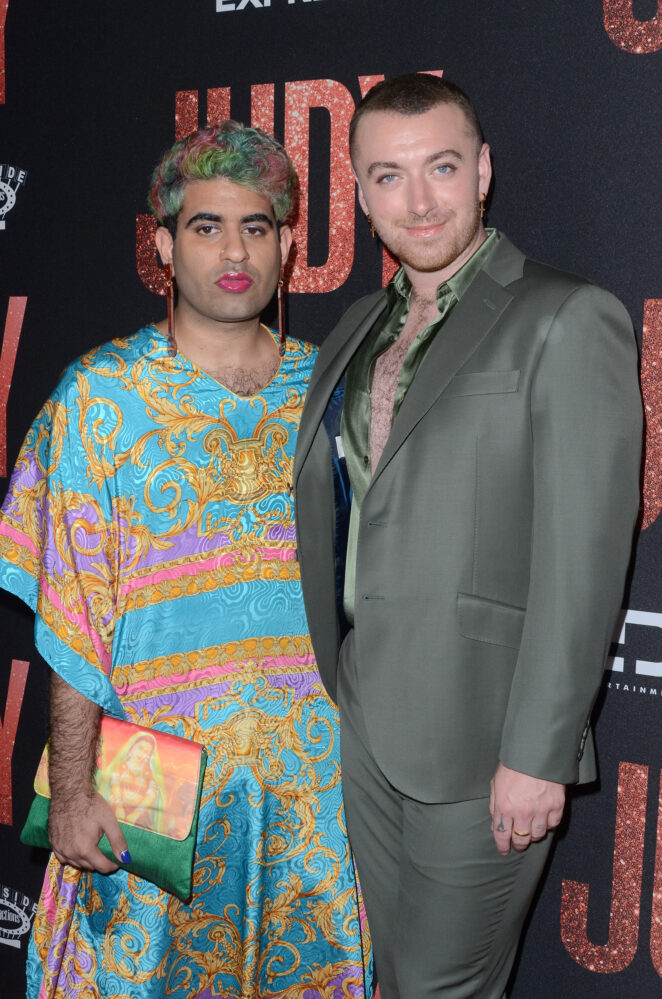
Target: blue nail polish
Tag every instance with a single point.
(125, 857)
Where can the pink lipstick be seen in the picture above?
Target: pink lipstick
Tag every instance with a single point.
(234, 281)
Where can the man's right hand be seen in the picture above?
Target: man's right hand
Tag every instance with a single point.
(79, 816)
(76, 828)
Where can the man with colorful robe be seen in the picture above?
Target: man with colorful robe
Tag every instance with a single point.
(149, 524)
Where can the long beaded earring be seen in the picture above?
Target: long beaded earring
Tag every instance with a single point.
(170, 299)
(282, 336)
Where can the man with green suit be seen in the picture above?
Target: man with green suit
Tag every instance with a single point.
(462, 613)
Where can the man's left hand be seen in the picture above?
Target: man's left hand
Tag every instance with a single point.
(523, 808)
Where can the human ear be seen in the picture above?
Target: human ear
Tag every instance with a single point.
(484, 169)
(164, 244)
(285, 237)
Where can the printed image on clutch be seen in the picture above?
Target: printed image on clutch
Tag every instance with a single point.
(149, 777)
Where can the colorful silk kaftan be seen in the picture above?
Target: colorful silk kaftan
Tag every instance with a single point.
(149, 523)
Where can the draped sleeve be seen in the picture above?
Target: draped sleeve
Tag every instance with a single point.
(57, 537)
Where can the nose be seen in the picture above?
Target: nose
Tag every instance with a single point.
(420, 198)
(233, 247)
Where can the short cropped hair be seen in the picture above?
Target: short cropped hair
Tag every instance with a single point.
(243, 155)
(412, 94)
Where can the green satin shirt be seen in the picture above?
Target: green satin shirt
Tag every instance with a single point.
(355, 424)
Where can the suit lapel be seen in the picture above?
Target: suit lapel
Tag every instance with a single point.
(334, 357)
(467, 326)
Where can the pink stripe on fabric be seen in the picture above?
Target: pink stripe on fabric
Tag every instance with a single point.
(283, 554)
(228, 558)
(49, 901)
(81, 622)
(159, 575)
(18, 536)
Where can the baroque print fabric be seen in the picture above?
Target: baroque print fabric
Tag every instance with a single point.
(149, 524)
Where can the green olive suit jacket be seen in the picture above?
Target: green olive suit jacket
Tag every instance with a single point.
(495, 535)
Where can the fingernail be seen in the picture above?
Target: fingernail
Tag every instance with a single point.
(125, 857)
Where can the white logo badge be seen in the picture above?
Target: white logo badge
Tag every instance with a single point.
(11, 178)
(16, 914)
(228, 5)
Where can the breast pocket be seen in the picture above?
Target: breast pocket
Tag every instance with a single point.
(483, 383)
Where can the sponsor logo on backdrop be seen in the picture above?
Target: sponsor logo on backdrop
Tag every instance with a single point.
(635, 667)
(11, 178)
(16, 914)
(223, 6)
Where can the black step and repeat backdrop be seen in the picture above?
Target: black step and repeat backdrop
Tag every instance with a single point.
(570, 95)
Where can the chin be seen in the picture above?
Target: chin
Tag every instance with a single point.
(428, 259)
(435, 255)
(436, 259)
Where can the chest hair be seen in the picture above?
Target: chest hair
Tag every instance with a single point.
(387, 373)
(246, 380)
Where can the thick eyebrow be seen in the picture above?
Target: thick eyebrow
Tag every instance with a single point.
(388, 165)
(212, 217)
(257, 217)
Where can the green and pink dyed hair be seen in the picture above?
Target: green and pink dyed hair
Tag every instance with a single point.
(244, 155)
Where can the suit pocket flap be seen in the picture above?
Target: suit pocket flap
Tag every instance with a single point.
(489, 621)
(483, 383)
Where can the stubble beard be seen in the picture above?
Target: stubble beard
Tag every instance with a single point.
(436, 255)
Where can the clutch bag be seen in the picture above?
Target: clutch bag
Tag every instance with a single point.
(153, 782)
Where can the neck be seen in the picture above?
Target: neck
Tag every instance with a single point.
(216, 346)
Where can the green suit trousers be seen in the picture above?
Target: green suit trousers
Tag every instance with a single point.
(446, 909)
